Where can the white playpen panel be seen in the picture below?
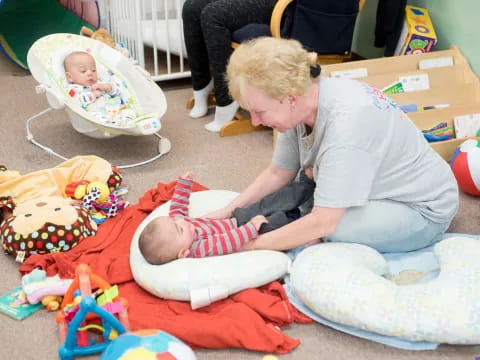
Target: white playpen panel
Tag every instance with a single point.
(152, 30)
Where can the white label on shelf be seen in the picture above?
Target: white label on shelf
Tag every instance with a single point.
(466, 125)
(350, 74)
(436, 62)
(415, 82)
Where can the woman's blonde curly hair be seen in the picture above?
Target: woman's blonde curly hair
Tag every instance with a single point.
(278, 67)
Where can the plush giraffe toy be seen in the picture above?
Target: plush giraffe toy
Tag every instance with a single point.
(104, 36)
(101, 35)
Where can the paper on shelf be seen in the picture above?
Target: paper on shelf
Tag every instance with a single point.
(466, 125)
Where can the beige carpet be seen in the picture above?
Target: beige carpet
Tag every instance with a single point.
(219, 163)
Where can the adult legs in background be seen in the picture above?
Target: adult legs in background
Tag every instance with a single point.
(219, 19)
(208, 25)
(202, 82)
(387, 226)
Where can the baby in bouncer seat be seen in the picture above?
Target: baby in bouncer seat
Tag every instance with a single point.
(102, 99)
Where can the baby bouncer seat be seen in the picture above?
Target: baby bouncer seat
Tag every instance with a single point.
(45, 61)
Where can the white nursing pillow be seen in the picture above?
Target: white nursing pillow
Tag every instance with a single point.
(202, 281)
(344, 283)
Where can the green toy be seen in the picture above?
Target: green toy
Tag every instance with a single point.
(22, 22)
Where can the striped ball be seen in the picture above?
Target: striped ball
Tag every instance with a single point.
(465, 164)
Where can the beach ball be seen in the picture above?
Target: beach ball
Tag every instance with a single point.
(147, 345)
(465, 165)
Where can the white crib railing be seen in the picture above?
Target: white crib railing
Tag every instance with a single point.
(152, 31)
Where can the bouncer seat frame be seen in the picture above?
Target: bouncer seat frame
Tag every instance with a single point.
(45, 61)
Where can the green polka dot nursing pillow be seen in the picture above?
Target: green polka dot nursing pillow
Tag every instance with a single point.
(345, 283)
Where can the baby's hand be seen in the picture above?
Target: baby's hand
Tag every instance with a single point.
(309, 172)
(258, 221)
(97, 93)
(102, 87)
(188, 175)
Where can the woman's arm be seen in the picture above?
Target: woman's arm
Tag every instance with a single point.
(320, 222)
(271, 179)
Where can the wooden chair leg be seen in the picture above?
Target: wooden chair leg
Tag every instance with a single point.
(240, 125)
(211, 101)
(190, 103)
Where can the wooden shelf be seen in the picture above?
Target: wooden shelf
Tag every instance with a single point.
(455, 85)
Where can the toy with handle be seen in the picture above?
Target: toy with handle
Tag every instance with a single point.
(77, 310)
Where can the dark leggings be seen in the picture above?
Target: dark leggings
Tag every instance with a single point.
(280, 207)
(207, 27)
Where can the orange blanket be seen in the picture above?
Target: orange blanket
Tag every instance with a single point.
(248, 319)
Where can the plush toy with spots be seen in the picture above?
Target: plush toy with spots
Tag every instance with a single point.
(99, 207)
(96, 198)
(41, 226)
(35, 215)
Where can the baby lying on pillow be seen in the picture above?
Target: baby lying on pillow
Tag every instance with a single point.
(167, 238)
(100, 98)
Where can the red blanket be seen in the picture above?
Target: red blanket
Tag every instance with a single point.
(248, 319)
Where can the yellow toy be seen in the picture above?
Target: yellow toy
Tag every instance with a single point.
(104, 36)
(79, 189)
(96, 199)
(52, 302)
(101, 35)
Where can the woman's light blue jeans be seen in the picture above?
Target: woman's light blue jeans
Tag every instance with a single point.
(387, 226)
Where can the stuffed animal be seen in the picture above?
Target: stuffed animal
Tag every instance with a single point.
(101, 35)
(45, 225)
(104, 36)
(35, 216)
(96, 199)
(79, 189)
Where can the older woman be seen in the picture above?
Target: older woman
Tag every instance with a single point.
(378, 182)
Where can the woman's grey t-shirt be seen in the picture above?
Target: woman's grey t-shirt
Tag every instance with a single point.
(363, 147)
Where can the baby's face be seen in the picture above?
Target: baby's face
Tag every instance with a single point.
(81, 69)
(179, 231)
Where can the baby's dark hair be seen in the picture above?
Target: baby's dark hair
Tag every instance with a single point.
(150, 244)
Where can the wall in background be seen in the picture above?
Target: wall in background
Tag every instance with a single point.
(455, 23)
(364, 33)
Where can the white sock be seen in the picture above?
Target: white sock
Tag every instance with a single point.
(223, 115)
(200, 107)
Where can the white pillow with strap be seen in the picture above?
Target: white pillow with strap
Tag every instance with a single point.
(202, 281)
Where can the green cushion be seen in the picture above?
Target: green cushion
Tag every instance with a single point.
(22, 22)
